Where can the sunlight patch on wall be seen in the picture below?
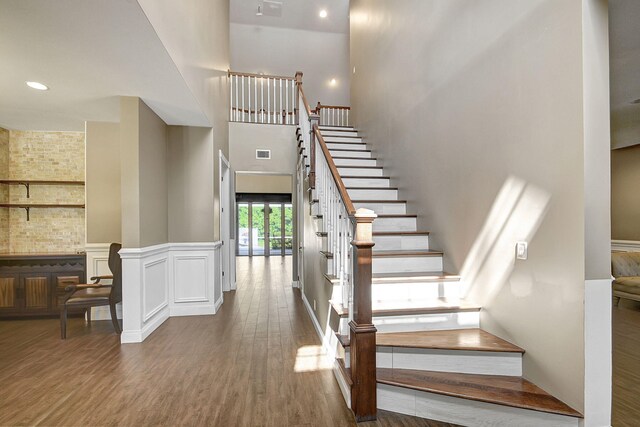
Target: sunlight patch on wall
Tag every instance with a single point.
(516, 214)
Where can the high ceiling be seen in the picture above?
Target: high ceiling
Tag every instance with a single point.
(296, 14)
(88, 52)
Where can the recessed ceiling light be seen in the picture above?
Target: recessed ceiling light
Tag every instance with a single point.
(333, 82)
(323, 13)
(37, 85)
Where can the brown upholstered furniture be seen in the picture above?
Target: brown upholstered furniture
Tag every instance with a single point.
(625, 267)
(96, 294)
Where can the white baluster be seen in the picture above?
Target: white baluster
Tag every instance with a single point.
(243, 98)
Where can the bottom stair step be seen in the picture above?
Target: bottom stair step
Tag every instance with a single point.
(515, 392)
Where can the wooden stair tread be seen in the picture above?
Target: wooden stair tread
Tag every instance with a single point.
(413, 276)
(515, 392)
(342, 142)
(430, 307)
(348, 149)
(405, 253)
(373, 201)
(454, 339)
(346, 372)
(397, 216)
(353, 158)
(357, 167)
(363, 177)
(372, 188)
(400, 233)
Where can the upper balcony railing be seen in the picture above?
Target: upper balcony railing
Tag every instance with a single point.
(333, 115)
(257, 98)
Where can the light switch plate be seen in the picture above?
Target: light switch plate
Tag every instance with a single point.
(522, 251)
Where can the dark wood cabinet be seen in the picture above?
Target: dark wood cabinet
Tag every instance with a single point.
(33, 285)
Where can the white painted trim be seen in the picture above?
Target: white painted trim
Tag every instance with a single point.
(625, 245)
(597, 353)
(316, 325)
(295, 284)
(202, 299)
(344, 387)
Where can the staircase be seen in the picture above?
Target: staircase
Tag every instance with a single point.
(433, 360)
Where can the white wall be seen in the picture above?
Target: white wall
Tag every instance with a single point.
(321, 56)
(479, 113)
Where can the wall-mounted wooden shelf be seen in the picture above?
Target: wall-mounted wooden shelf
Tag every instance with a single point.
(28, 207)
(28, 182)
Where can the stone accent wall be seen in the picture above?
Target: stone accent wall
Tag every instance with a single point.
(53, 156)
(4, 190)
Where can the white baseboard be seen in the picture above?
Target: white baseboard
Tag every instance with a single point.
(312, 315)
(625, 245)
(295, 283)
(137, 336)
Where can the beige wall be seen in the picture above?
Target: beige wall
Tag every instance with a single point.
(47, 156)
(103, 211)
(196, 36)
(625, 185)
(246, 138)
(261, 183)
(191, 184)
(477, 110)
(144, 192)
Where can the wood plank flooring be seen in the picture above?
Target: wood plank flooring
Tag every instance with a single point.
(626, 364)
(255, 363)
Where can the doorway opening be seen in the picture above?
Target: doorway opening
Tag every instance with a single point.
(264, 224)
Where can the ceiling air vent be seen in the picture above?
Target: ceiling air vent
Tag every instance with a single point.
(263, 154)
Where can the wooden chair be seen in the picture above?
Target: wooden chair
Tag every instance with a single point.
(95, 294)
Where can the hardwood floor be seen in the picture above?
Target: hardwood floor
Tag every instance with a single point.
(255, 363)
(626, 364)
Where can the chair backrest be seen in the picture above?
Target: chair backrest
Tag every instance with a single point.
(625, 264)
(115, 265)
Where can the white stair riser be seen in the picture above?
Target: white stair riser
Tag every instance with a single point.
(346, 146)
(462, 411)
(406, 264)
(360, 171)
(395, 224)
(351, 153)
(327, 133)
(458, 361)
(366, 182)
(355, 162)
(404, 293)
(340, 128)
(398, 243)
(420, 322)
(378, 194)
(383, 208)
(328, 139)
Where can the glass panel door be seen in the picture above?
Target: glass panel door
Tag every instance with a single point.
(275, 229)
(288, 228)
(243, 240)
(258, 234)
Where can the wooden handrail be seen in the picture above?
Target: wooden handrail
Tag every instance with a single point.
(304, 98)
(337, 107)
(342, 189)
(263, 76)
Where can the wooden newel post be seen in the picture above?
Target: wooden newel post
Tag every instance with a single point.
(363, 333)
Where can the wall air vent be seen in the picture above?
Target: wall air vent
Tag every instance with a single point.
(263, 154)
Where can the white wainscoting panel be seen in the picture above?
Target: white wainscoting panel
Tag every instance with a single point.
(196, 282)
(171, 279)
